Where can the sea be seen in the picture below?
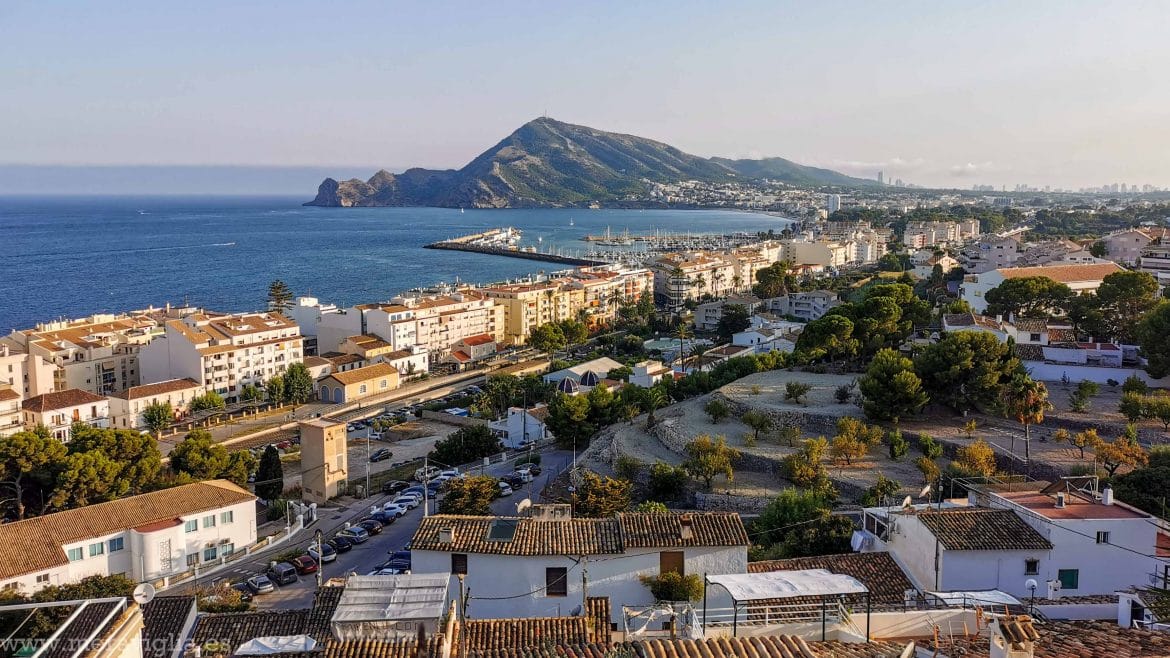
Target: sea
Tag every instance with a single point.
(68, 257)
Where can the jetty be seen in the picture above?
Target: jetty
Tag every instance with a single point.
(505, 242)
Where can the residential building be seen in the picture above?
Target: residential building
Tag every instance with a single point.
(924, 263)
(357, 384)
(11, 420)
(973, 322)
(833, 203)
(805, 306)
(869, 248)
(920, 234)
(762, 339)
(436, 322)
(126, 406)
(99, 354)
(146, 537)
(27, 374)
(1080, 278)
(707, 315)
(528, 566)
(1127, 246)
(994, 253)
(522, 427)
(309, 314)
(649, 373)
(821, 253)
(224, 353)
(59, 410)
(473, 349)
(686, 276)
(604, 289)
(324, 459)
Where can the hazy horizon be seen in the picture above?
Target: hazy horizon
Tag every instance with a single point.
(946, 95)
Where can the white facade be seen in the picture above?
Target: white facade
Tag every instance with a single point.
(522, 426)
(1079, 278)
(58, 411)
(127, 407)
(807, 306)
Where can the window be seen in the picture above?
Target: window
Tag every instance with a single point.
(209, 521)
(1069, 578)
(209, 553)
(362, 389)
(227, 549)
(459, 563)
(671, 561)
(75, 554)
(556, 581)
(97, 549)
(191, 526)
(42, 578)
(1031, 567)
(226, 517)
(192, 559)
(1102, 536)
(1035, 338)
(384, 384)
(117, 544)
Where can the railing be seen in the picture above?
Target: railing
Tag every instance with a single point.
(766, 614)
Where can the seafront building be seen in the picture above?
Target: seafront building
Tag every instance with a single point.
(127, 407)
(223, 353)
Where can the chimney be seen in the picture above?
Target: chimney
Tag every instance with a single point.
(447, 535)
(1107, 495)
(1060, 500)
(686, 529)
(1012, 637)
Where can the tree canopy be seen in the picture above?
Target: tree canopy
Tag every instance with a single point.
(967, 369)
(1033, 296)
(890, 388)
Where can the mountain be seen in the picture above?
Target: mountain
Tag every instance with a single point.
(551, 163)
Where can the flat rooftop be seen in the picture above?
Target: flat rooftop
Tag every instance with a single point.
(1075, 507)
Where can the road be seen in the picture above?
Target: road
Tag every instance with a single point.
(363, 558)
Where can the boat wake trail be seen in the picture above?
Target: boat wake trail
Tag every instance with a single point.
(73, 254)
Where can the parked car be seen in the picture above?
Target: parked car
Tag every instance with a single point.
(393, 486)
(260, 585)
(372, 525)
(385, 518)
(505, 488)
(406, 502)
(402, 556)
(424, 474)
(395, 509)
(451, 473)
(531, 468)
(381, 454)
(327, 554)
(281, 573)
(341, 544)
(304, 564)
(416, 490)
(513, 480)
(245, 591)
(524, 476)
(356, 534)
(387, 571)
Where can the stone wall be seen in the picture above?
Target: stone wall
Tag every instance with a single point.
(808, 420)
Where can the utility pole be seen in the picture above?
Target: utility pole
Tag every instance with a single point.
(585, 585)
(367, 461)
(320, 558)
(423, 479)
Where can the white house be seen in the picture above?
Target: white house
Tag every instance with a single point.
(648, 373)
(1080, 278)
(972, 322)
(146, 537)
(522, 426)
(806, 306)
(59, 410)
(126, 406)
(536, 566)
(707, 315)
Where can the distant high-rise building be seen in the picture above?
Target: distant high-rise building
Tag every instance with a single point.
(881, 176)
(834, 203)
(1124, 188)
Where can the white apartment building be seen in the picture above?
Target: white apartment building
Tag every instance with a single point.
(224, 353)
(707, 315)
(435, 323)
(532, 566)
(522, 427)
(27, 374)
(931, 233)
(11, 418)
(822, 253)
(1080, 278)
(995, 253)
(99, 354)
(689, 276)
(806, 306)
(126, 407)
(59, 410)
(146, 537)
(869, 248)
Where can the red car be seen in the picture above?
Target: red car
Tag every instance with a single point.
(304, 564)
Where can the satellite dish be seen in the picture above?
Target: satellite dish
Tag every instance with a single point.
(906, 502)
(144, 593)
(925, 492)
(523, 505)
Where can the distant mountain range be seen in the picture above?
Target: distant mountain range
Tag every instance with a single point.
(551, 163)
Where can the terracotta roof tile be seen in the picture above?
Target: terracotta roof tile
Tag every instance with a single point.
(597, 611)
(532, 537)
(157, 388)
(1030, 352)
(222, 634)
(497, 634)
(1032, 325)
(667, 530)
(878, 571)
(91, 620)
(981, 529)
(35, 544)
(6, 393)
(368, 648)
(481, 339)
(72, 397)
(1063, 273)
(358, 375)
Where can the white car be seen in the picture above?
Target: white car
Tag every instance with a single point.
(451, 473)
(407, 502)
(396, 510)
(505, 489)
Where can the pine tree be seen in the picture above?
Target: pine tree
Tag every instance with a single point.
(279, 296)
(270, 475)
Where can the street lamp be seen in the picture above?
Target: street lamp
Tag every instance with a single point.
(1031, 585)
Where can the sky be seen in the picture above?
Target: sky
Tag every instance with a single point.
(945, 94)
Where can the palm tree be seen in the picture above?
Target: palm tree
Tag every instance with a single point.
(655, 399)
(699, 282)
(682, 333)
(737, 282)
(697, 352)
(1027, 400)
(678, 280)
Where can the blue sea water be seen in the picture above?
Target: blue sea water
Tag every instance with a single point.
(73, 256)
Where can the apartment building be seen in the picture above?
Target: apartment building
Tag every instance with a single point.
(606, 289)
(806, 306)
(434, 322)
(822, 253)
(11, 420)
(530, 305)
(99, 354)
(27, 374)
(1127, 246)
(707, 315)
(145, 537)
(126, 407)
(928, 234)
(58, 411)
(686, 276)
(224, 353)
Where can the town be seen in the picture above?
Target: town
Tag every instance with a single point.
(889, 430)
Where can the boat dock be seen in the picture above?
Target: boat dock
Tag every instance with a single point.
(504, 242)
(660, 241)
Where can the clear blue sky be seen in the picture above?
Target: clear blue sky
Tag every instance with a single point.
(943, 93)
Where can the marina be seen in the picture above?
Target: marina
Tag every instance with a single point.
(505, 242)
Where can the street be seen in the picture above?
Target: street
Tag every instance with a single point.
(363, 558)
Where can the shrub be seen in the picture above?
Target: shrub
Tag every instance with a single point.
(929, 469)
(930, 448)
(796, 390)
(627, 468)
(844, 392)
(673, 586)
(717, 409)
(899, 446)
(883, 490)
(1135, 384)
(667, 482)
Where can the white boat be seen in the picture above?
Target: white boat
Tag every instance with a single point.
(570, 221)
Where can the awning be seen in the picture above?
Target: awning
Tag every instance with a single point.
(787, 584)
(267, 646)
(961, 598)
